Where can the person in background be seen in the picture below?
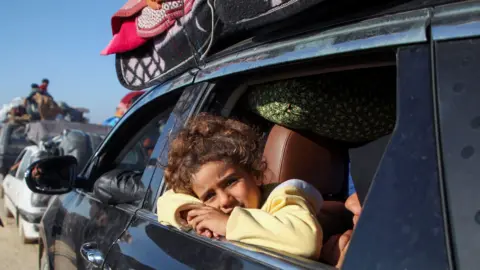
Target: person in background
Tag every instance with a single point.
(36, 89)
(29, 103)
(44, 86)
(125, 103)
(40, 105)
(335, 249)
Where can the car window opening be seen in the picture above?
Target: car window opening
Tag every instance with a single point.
(322, 129)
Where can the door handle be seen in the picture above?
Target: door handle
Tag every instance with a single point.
(92, 254)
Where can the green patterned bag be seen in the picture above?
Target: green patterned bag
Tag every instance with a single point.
(354, 106)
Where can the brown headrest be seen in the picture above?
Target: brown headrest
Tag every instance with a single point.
(291, 155)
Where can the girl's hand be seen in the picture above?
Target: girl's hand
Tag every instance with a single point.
(208, 221)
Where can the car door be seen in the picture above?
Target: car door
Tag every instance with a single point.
(10, 184)
(17, 181)
(78, 228)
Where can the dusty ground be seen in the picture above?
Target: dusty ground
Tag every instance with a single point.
(14, 254)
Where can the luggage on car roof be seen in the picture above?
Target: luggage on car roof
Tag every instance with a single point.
(155, 43)
(178, 48)
(44, 130)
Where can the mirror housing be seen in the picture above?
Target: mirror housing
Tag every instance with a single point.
(119, 187)
(52, 176)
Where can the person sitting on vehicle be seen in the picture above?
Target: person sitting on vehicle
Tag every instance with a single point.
(40, 105)
(30, 103)
(36, 90)
(215, 169)
(44, 86)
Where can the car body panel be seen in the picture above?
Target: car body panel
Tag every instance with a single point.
(158, 250)
(391, 30)
(458, 64)
(74, 219)
(403, 209)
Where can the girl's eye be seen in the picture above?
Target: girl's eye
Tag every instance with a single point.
(209, 196)
(232, 181)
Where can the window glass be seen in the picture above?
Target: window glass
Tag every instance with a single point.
(25, 162)
(143, 144)
(17, 137)
(184, 108)
(13, 169)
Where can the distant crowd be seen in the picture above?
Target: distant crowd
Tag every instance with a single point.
(40, 105)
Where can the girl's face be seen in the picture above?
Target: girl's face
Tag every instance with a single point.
(225, 186)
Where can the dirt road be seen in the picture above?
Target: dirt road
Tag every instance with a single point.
(14, 254)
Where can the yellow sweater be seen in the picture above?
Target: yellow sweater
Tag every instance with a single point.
(286, 222)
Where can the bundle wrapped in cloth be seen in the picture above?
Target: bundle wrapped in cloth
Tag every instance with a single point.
(139, 20)
(157, 40)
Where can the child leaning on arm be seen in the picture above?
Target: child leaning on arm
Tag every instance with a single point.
(215, 169)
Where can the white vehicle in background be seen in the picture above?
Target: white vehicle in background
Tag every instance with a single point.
(50, 140)
(20, 202)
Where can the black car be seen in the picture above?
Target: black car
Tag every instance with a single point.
(418, 183)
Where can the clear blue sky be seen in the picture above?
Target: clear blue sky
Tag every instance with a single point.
(60, 40)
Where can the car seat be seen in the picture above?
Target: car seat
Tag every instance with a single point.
(291, 155)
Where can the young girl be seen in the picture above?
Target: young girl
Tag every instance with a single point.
(214, 172)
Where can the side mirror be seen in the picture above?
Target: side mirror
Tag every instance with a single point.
(55, 175)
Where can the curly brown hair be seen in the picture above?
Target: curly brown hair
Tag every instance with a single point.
(208, 138)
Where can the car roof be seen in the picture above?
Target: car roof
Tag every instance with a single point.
(333, 13)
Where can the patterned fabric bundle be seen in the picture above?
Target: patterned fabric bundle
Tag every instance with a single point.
(140, 20)
(354, 106)
(171, 53)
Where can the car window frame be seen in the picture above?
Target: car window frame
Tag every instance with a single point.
(273, 258)
(25, 161)
(136, 138)
(181, 113)
(18, 159)
(163, 93)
